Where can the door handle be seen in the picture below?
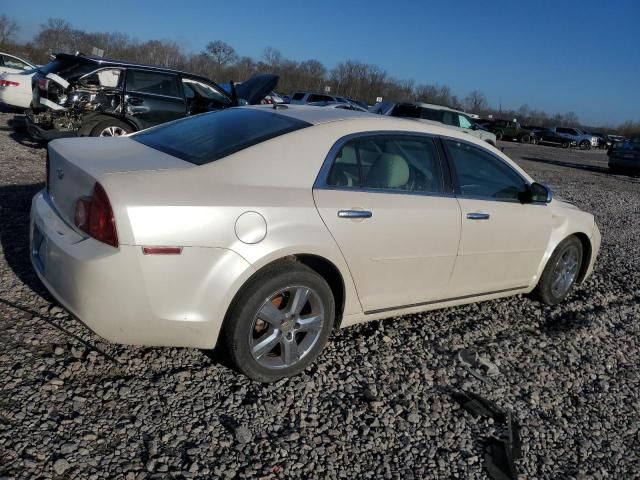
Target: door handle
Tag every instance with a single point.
(354, 214)
(478, 216)
(135, 101)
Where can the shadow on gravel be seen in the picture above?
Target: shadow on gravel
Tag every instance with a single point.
(19, 133)
(15, 204)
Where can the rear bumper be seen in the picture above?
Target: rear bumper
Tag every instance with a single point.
(131, 298)
(39, 133)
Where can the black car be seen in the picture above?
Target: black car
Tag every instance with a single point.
(77, 95)
(550, 137)
(624, 157)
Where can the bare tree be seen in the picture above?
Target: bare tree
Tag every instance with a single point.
(272, 57)
(221, 53)
(476, 102)
(8, 28)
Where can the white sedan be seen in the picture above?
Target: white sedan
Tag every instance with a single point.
(261, 229)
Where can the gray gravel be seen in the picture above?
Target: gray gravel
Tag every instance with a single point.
(375, 405)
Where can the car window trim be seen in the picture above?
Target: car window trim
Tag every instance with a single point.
(321, 179)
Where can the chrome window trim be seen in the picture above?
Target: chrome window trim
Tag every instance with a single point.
(321, 179)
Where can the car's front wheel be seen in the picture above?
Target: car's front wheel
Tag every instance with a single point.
(111, 128)
(279, 322)
(525, 139)
(561, 272)
(499, 135)
(585, 145)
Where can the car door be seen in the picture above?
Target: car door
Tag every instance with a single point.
(502, 239)
(384, 199)
(152, 97)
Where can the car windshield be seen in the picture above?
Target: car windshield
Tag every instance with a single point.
(208, 137)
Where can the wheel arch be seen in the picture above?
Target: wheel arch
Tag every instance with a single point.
(319, 264)
(90, 123)
(587, 252)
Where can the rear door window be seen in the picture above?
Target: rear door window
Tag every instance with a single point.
(319, 98)
(154, 83)
(205, 138)
(398, 163)
(107, 78)
(298, 96)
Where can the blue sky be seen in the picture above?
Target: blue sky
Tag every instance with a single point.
(560, 56)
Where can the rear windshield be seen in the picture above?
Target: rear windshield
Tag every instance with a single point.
(628, 145)
(211, 136)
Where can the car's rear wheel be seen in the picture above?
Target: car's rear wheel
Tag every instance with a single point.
(111, 128)
(561, 272)
(585, 145)
(525, 139)
(279, 322)
(565, 144)
(499, 135)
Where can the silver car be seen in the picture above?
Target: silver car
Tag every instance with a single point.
(451, 118)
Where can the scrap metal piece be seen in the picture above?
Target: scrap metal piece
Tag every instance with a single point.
(59, 80)
(500, 452)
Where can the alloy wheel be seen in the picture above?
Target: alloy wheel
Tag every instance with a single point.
(565, 271)
(286, 327)
(113, 132)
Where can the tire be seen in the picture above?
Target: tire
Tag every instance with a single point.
(585, 145)
(560, 273)
(262, 348)
(525, 139)
(111, 128)
(498, 135)
(565, 144)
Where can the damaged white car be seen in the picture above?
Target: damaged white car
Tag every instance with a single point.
(77, 95)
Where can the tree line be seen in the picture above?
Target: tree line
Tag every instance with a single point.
(219, 61)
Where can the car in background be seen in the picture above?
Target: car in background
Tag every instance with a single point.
(584, 140)
(77, 95)
(549, 137)
(604, 141)
(15, 89)
(12, 64)
(510, 130)
(617, 138)
(272, 98)
(625, 156)
(261, 230)
(339, 105)
(301, 98)
(451, 118)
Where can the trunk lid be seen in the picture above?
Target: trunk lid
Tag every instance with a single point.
(74, 165)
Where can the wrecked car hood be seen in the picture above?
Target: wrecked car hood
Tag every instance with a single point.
(257, 87)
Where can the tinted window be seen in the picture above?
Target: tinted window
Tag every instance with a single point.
(297, 96)
(211, 136)
(449, 118)
(319, 98)
(152, 82)
(407, 110)
(399, 163)
(480, 174)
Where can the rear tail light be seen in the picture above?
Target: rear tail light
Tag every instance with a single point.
(8, 83)
(95, 216)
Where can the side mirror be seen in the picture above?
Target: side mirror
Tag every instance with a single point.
(539, 193)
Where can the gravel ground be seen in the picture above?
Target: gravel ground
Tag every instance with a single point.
(377, 404)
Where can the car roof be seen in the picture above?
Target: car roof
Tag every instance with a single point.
(367, 121)
(107, 62)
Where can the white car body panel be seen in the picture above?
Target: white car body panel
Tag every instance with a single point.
(158, 200)
(19, 96)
